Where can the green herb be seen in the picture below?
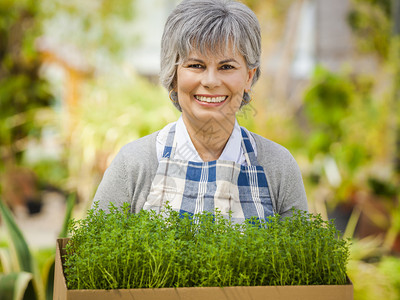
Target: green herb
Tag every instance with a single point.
(121, 250)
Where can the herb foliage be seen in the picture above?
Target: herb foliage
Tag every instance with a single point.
(121, 250)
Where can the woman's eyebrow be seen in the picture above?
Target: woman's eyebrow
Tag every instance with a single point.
(228, 61)
(194, 59)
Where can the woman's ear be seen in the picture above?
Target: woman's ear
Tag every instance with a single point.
(250, 76)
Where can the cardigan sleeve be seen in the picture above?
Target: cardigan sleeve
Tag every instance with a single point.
(114, 187)
(128, 178)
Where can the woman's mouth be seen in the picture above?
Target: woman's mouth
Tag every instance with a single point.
(208, 99)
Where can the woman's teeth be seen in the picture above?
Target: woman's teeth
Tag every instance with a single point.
(210, 99)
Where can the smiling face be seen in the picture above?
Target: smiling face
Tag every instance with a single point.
(210, 88)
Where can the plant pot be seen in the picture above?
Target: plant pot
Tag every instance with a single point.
(326, 292)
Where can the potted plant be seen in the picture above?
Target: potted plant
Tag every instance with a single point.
(171, 256)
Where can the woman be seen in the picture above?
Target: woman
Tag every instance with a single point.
(210, 59)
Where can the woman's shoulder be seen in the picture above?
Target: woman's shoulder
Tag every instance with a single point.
(142, 150)
(267, 149)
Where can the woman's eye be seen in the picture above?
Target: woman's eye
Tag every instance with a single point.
(227, 67)
(195, 66)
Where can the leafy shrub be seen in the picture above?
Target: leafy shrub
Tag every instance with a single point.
(147, 250)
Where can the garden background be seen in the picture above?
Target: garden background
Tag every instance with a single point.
(78, 80)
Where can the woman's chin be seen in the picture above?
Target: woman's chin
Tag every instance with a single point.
(213, 119)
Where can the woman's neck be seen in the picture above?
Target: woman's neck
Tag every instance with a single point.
(209, 138)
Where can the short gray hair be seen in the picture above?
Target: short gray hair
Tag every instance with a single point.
(209, 25)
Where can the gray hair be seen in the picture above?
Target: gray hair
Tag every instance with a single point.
(209, 25)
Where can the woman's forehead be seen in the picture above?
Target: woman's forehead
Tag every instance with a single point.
(223, 52)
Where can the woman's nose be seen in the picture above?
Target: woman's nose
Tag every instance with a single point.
(210, 78)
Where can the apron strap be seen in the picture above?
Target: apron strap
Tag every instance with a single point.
(248, 150)
(169, 145)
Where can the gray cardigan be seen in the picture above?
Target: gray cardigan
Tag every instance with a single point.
(129, 176)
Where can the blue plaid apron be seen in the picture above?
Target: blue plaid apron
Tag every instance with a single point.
(192, 187)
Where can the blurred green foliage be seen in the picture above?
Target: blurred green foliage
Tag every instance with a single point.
(100, 30)
(24, 273)
(116, 109)
(349, 126)
(349, 119)
(22, 91)
(374, 276)
(51, 173)
(279, 7)
(20, 262)
(352, 120)
(344, 120)
(371, 23)
(327, 102)
(390, 266)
